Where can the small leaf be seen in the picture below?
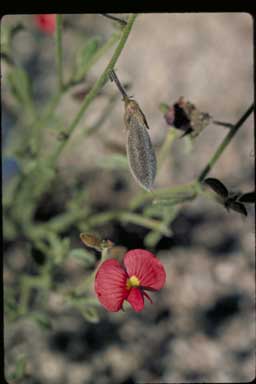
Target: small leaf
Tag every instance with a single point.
(217, 186)
(86, 257)
(91, 241)
(20, 85)
(91, 314)
(249, 197)
(238, 207)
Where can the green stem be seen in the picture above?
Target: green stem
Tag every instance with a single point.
(224, 144)
(127, 217)
(146, 197)
(95, 89)
(165, 149)
(59, 56)
(100, 52)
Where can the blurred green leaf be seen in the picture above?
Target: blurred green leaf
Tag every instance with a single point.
(5, 37)
(20, 369)
(8, 32)
(59, 247)
(84, 58)
(20, 85)
(42, 319)
(115, 161)
(86, 257)
(163, 107)
(9, 228)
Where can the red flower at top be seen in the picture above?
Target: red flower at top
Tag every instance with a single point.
(46, 22)
(115, 283)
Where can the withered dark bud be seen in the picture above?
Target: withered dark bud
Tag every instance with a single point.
(185, 116)
(140, 152)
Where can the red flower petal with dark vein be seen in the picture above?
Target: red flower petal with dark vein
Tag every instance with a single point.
(46, 22)
(110, 285)
(146, 267)
(136, 299)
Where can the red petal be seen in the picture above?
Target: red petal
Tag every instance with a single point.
(136, 299)
(46, 22)
(144, 265)
(110, 285)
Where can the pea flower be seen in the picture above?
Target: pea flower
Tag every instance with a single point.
(46, 22)
(115, 283)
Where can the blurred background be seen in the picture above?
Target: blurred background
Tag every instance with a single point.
(201, 325)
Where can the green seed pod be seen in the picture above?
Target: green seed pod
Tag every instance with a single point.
(140, 151)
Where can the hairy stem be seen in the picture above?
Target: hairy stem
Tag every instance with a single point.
(166, 146)
(59, 56)
(128, 217)
(95, 89)
(162, 193)
(224, 144)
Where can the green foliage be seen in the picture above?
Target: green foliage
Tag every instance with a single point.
(163, 107)
(20, 369)
(41, 319)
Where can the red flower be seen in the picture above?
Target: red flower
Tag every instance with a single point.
(46, 22)
(115, 283)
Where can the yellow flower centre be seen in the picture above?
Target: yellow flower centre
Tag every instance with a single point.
(133, 281)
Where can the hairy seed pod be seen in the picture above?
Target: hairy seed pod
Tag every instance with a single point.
(140, 151)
